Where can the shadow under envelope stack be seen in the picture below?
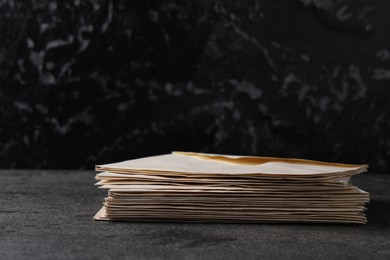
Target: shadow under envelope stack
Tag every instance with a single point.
(196, 187)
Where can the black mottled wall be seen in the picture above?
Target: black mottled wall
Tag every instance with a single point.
(90, 82)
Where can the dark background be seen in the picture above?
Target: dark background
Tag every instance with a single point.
(91, 82)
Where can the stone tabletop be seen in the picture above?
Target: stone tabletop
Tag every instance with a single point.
(48, 214)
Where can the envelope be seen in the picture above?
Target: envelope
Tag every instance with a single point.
(198, 164)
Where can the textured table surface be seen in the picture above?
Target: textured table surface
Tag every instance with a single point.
(48, 215)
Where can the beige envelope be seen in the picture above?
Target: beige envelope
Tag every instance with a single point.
(189, 164)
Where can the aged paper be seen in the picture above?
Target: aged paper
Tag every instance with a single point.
(194, 187)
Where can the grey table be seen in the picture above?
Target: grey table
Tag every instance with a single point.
(48, 215)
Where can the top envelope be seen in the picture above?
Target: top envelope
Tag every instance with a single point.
(191, 164)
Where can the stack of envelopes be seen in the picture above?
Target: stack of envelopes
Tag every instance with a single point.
(194, 187)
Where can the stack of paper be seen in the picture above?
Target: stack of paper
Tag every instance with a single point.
(193, 187)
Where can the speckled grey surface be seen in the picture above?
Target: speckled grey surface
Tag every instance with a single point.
(48, 215)
(90, 82)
